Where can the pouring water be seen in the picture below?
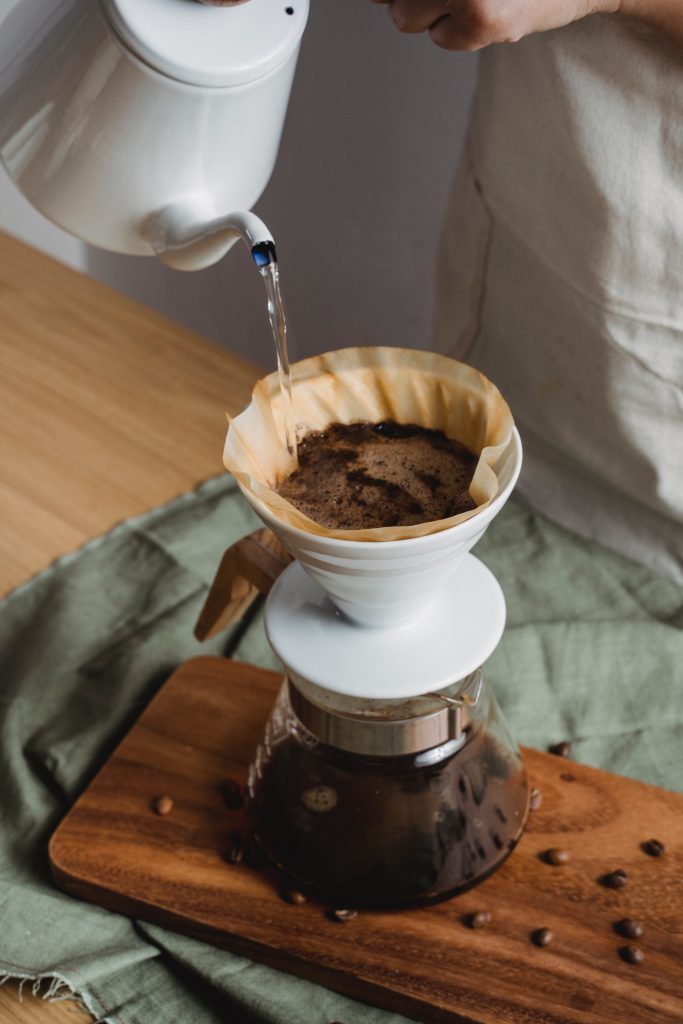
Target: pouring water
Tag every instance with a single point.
(266, 260)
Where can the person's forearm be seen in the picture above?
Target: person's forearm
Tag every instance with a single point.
(665, 15)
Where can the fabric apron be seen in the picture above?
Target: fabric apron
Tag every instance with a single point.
(561, 274)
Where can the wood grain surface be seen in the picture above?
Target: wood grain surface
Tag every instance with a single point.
(107, 410)
(203, 727)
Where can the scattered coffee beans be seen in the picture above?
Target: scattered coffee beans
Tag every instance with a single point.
(480, 919)
(631, 954)
(342, 915)
(542, 937)
(615, 879)
(556, 857)
(231, 791)
(535, 799)
(293, 896)
(629, 928)
(163, 805)
(653, 847)
(563, 749)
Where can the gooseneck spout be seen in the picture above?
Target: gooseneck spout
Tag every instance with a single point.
(191, 235)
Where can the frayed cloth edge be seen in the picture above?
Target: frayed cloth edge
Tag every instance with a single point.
(59, 989)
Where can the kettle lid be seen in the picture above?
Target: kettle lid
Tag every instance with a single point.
(209, 46)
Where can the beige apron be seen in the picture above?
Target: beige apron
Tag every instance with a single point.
(561, 274)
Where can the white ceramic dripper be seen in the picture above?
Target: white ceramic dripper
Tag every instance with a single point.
(388, 583)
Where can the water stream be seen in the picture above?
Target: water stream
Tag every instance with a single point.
(278, 322)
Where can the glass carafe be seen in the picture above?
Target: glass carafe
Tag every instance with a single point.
(387, 803)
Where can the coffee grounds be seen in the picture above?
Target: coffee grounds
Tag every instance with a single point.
(360, 476)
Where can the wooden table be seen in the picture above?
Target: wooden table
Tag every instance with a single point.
(106, 410)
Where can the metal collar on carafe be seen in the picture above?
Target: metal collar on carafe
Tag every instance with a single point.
(382, 728)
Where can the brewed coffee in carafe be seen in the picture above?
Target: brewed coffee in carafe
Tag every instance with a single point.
(373, 804)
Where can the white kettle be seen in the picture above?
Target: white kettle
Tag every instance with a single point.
(148, 126)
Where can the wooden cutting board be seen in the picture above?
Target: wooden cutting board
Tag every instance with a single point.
(202, 728)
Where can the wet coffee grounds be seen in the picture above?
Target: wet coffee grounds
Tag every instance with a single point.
(365, 475)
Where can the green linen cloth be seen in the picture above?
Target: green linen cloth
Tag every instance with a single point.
(593, 652)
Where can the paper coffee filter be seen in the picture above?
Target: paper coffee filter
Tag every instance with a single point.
(370, 384)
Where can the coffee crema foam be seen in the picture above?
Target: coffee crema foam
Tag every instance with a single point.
(363, 475)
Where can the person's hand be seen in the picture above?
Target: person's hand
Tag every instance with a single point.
(473, 24)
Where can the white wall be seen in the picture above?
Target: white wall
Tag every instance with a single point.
(373, 132)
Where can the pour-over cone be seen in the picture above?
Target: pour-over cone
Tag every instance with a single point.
(378, 577)
(384, 584)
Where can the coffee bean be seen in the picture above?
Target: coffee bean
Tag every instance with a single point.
(542, 937)
(231, 791)
(563, 749)
(342, 915)
(293, 896)
(631, 954)
(653, 848)
(556, 856)
(629, 928)
(480, 919)
(163, 805)
(535, 799)
(615, 879)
